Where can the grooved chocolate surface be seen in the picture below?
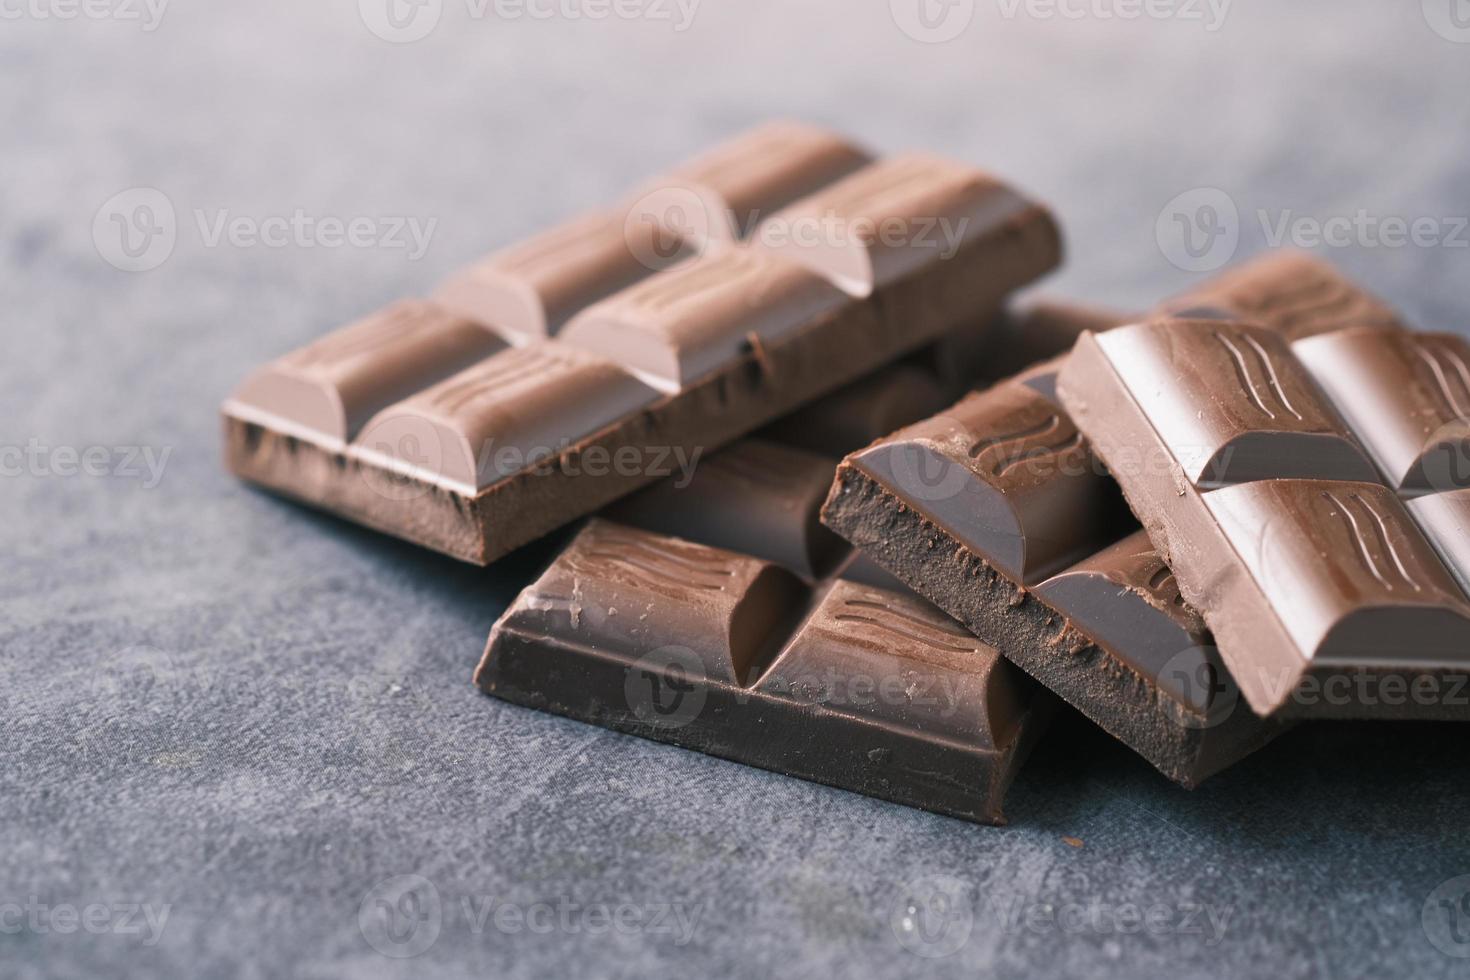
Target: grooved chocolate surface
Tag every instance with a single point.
(840, 682)
(1292, 293)
(1407, 395)
(996, 511)
(475, 460)
(1230, 403)
(1315, 579)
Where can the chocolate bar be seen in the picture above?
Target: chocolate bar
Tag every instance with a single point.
(998, 513)
(838, 683)
(473, 443)
(527, 292)
(1290, 292)
(1297, 488)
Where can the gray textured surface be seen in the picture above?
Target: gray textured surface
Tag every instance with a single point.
(224, 704)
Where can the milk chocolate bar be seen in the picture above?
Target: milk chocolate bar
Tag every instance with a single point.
(528, 291)
(1289, 292)
(1298, 489)
(997, 512)
(838, 682)
(415, 424)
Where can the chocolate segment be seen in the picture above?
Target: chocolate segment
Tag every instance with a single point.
(719, 197)
(890, 220)
(1406, 395)
(1304, 582)
(527, 291)
(1364, 585)
(920, 671)
(331, 387)
(520, 408)
(1087, 608)
(728, 344)
(1130, 603)
(1288, 292)
(1008, 474)
(626, 593)
(841, 684)
(692, 321)
(1229, 403)
(1445, 520)
(756, 497)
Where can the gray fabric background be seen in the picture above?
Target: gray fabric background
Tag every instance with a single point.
(250, 714)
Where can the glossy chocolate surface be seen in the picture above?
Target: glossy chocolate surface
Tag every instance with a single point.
(1230, 403)
(888, 220)
(839, 683)
(1406, 395)
(757, 497)
(1006, 473)
(1292, 293)
(1308, 572)
(473, 450)
(330, 388)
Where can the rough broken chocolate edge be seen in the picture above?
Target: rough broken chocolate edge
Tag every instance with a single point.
(1037, 638)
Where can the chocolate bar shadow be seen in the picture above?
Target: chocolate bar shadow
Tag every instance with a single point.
(481, 593)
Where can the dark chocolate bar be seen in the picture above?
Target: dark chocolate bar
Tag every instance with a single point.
(839, 683)
(997, 512)
(1282, 482)
(424, 424)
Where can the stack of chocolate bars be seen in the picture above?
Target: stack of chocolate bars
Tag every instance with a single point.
(1196, 526)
